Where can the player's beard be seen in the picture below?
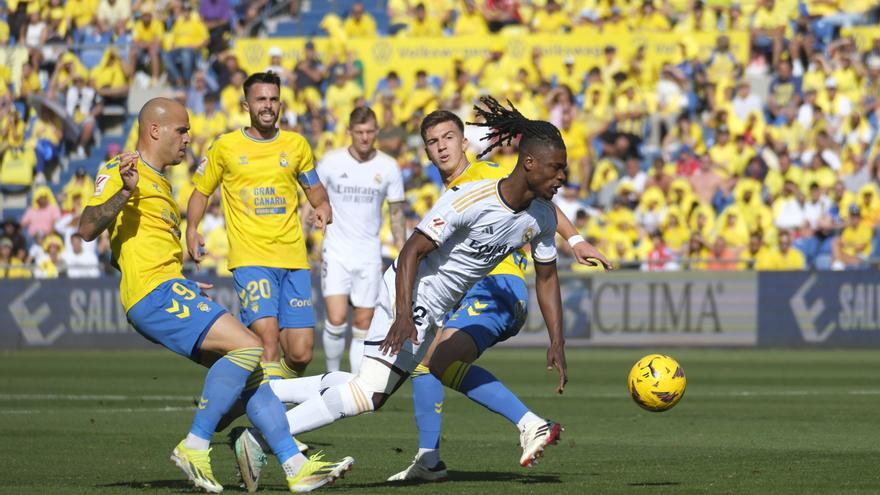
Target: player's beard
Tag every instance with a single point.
(257, 123)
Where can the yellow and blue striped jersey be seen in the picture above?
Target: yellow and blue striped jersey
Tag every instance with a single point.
(258, 180)
(515, 264)
(145, 235)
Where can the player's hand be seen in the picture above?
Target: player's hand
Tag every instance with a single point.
(402, 329)
(195, 245)
(323, 216)
(556, 359)
(128, 170)
(587, 254)
(203, 286)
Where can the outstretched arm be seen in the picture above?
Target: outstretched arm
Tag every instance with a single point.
(584, 252)
(417, 247)
(550, 302)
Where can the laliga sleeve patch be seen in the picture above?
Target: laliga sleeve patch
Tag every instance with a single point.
(100, 183)
(200, 170)
(435, 226)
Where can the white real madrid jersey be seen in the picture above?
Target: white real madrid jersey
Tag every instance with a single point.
(356, 191)
(474, 229)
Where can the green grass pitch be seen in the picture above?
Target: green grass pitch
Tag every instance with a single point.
(751, 422)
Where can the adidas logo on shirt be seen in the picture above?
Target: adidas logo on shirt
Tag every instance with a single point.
(344, 175)
(489, 230)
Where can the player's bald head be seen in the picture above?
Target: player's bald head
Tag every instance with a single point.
(163, 131)
(158, 111)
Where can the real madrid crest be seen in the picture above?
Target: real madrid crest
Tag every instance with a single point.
(528, 235)
(283, 159)
(377, 179)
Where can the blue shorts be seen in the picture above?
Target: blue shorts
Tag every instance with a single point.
(277, 293)
(493, 310)
(177, 316)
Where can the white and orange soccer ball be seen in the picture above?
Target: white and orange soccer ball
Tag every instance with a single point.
(656, 382)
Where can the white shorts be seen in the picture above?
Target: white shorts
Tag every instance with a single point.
(410, 354)
(361, 282)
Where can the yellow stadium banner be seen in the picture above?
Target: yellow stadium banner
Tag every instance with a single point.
(864, 36)
(436, 55)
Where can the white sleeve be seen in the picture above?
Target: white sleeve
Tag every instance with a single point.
(544, 244)
(395, 191)
(323, 170)
(443, 219)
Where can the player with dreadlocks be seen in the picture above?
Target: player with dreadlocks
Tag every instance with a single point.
(472, 228)
(493, 310)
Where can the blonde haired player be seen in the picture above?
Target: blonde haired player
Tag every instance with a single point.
(358, 179)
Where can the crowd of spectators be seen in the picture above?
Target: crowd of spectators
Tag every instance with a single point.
(703, 162)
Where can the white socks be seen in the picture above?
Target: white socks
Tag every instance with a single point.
(356, 350)
(528, 417)
(299, 390)
(336, 402)
(334, 344)
(428, 457)
(292, 465)
(196, 443)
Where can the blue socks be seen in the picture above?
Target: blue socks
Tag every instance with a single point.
(428, 405)
(483, 388)
(268, 414)
(223, 385)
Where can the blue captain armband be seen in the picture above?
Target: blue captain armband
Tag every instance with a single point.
(308, 179)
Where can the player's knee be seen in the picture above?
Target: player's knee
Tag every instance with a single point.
(361, 321)
(298, 357)
(336, 319)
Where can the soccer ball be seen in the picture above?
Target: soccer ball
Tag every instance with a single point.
(656, 382)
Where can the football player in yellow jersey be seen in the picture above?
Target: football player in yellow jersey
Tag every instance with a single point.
(492, 311)
(133, 200)
(258, 168)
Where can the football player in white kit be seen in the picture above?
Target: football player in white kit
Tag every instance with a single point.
(470, 230)
(358, 179)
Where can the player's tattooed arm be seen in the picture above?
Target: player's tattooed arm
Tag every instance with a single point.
(550, 302)
(417, 247)
(95, 219)
(397, 212)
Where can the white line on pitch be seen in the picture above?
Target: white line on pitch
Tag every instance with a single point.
(570, 393)
(87, 397)
(115, 410)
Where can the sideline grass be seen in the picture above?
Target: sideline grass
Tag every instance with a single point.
(752, 421)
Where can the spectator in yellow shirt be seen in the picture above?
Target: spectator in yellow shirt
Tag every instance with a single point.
(147, 40)
(470, 21)
(359, 24)
(785, 257)
(80, 184)
(10, 265)
(208, 125)
(550, 20)
(651, 20)
(853, 247)
(341, 95)
(187, 38)
(80, 12)
(423, 26)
